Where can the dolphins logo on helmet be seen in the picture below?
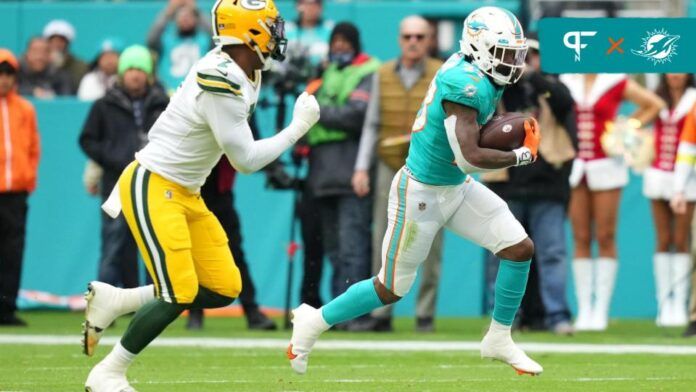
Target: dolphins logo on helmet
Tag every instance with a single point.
(493, 39)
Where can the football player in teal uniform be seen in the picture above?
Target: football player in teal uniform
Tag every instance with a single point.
(434, 189)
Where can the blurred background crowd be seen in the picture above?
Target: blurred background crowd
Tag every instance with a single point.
(339, 175)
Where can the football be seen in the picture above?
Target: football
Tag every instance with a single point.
(504, 132)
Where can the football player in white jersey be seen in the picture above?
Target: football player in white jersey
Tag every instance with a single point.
(182, 243)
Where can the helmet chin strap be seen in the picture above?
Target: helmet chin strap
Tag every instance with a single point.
(265, 60)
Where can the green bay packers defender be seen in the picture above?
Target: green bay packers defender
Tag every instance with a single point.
(434, 190)
(183, 245)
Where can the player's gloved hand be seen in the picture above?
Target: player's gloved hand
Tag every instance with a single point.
(528, 152)
(306, 112)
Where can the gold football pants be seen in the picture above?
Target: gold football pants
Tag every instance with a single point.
(182, 242)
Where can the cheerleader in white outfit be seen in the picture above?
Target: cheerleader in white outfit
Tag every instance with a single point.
(596, 182)
(672, 261)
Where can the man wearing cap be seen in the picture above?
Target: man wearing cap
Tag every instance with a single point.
(343, 94)
(60, 34)
(19, 160)
(115, 129)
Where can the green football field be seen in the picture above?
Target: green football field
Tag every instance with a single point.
(226, 357)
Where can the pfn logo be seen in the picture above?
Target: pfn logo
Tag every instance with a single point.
(573, 40)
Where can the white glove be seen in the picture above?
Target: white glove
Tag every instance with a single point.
(306, 112)
(524, 156)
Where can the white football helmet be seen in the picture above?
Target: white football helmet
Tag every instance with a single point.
(494, 39)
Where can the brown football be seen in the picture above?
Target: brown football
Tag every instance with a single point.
(504, 132)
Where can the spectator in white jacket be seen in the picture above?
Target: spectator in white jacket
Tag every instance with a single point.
(103, 71)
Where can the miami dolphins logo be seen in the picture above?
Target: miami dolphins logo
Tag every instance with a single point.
(475, 27)
(659, 46)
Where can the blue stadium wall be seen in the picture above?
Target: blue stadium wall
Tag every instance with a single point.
(63, 232)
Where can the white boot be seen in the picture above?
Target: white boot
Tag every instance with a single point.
(582, 275)
(605, 279)
(104, 304)
(498, 345)
(681, 276)
(109, 375)
(307, 324)
(661, 268)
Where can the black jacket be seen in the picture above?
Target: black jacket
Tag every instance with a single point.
(331, 165)
(52, 80)
(111, 135)
(540, 180)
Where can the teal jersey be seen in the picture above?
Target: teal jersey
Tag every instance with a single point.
(179, 55)
(430, 157)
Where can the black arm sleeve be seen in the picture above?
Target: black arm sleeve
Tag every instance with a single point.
(349, 117)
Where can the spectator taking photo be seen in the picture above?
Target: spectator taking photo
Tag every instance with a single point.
(180, 36)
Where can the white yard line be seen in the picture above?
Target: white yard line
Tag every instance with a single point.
(463, 380)
(367, 345)
(406, 380)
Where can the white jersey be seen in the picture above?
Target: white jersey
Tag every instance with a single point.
(186, 141)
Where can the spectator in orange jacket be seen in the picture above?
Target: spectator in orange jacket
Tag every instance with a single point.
(19, 160)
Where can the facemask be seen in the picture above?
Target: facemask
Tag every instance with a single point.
(342, 59)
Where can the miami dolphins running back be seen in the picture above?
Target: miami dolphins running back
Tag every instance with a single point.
(434, 189)
(182, 243)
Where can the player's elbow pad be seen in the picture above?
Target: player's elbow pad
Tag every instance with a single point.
(462, 163)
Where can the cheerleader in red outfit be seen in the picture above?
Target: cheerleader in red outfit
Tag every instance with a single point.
(596, 182)
(671, 261)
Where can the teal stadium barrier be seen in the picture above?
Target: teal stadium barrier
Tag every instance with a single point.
(63, 230)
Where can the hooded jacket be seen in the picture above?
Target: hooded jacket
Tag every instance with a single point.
(331, 162)
(19, 139)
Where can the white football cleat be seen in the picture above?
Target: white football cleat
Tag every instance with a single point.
(102, 309)
(308, 324)
(498, 345)
(104, 304)
(99, 314)
(104, 379)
